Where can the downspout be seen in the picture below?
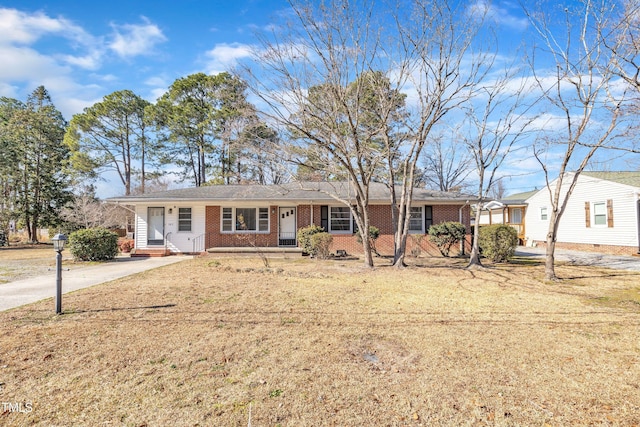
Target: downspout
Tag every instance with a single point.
(311, 213)
(460, 216)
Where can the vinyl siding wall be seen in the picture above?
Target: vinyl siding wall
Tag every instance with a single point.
(573, 227)
(178, 241)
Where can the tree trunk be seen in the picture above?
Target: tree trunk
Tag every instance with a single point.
(366, 246)
(552, 235)
(474, 258)
(33, 238)
(400, 251)
(549, 264)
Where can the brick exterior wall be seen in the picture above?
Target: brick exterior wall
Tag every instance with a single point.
(380, 216)
(603, 249)
(215, 239)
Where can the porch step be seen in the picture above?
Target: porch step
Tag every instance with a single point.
(150, 252)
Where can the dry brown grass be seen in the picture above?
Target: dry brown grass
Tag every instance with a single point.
(225, 342)
(22, 261)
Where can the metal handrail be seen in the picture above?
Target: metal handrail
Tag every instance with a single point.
(197, 243)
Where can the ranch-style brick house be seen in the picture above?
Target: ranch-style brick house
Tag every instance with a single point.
(221, 217)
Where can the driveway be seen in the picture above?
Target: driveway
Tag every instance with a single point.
(26, 291)
(619, 262)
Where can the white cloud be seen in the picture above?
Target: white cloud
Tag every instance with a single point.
(499, 14)
(8, 90)
(21, 28)
(24, 64)
(158, 86)
(136, 39)
(224, 57)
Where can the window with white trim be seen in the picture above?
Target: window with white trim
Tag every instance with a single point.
(184, 219)
(543, 213)
(416, 219)
(245, 220)
(339, 219)
(600, 213)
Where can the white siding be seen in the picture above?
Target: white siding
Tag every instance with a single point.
(182, 241)
(492, 217)
(141, 226)
(177, 241)
(572, 227)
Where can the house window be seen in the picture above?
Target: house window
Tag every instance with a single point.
(227, 219)
(600, 213)
(184, 219)
(245, 219)
(543, 213)
(416, 219)
(263, 219)
(340, 219)
(516, 216)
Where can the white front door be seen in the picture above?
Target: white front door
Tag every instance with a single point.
(155, 226)
(287, 227)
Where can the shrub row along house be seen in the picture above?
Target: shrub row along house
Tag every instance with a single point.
(220, 217)
(602, 215)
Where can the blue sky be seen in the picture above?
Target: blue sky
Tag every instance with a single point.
(81, 51)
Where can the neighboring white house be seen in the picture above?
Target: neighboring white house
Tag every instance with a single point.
(603, 214)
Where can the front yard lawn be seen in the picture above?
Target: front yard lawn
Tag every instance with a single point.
(227, 342)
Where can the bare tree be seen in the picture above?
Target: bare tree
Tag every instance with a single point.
(442, 60)
(309, 82)
(447, 163)
(495, 125)
(581, 91)
(498, 190)
(624, 43)
(339, 80)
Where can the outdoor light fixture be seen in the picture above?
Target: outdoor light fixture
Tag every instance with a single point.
(58, 245)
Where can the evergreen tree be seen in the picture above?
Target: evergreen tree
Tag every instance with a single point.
(112, 135)
(40, 160)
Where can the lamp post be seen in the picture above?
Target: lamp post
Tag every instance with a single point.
(58, 245)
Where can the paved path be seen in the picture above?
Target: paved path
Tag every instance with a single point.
(619, 262)
(26, 291)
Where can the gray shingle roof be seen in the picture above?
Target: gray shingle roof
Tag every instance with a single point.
(622, 177)
(298, 191)
(518, 198)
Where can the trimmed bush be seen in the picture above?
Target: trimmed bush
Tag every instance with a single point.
(321, 245)
(498, 242)
(446, 234)
(304, 237)
(93, 244)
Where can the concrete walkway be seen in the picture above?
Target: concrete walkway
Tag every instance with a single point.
(618, 262)
(26, 291)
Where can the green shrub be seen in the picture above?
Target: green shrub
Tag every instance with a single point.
(446, 234)
(498, 242)
(93, 244)
(321, 245)
(374, 233)
(304, 237)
